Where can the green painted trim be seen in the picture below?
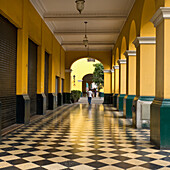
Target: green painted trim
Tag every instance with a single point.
(160, 123)
(128, 103)
(101, 94)
(114, 100)
(120, 101)
(107, 98)
(146, 98)
(60, 99)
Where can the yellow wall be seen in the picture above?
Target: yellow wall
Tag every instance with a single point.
(80, 68)
(30, 25)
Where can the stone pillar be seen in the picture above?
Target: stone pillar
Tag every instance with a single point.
(67, 87)
(107, 86)
(116, 85)
(130, 83)
(122, 83)
(145, 80)
(160, 108)
(113, 85)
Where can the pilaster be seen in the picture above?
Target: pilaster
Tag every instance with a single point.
(122, 83)
(130, 83)
(145, 82)
(160, 107)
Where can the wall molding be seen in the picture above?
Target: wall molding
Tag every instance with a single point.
(144, 40)
(68, 70)
(161, 14)
(121, 61)
(116, 67)
(129, 53)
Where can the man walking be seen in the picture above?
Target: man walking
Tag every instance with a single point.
(90, 95)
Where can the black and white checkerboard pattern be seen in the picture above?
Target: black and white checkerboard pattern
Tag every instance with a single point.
(81, 137)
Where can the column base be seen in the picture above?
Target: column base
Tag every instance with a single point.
(60, 99)
(23, 109)
(41, 104)
(101, 94)
(141, 111)
(160, 123)
(107, 98)
(66, 98)
(52, 101)
(115, 100)
(120, 98)
(127, 106)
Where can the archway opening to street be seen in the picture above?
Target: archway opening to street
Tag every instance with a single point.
(82, 78)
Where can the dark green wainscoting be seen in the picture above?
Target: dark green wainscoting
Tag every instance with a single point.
(23, 109)
(160, 123)
(120, 99)
(41, 104)
(127, 106)
(107, 98)
(52, 101)
(67, 98)
(60, 99)
(114, 100)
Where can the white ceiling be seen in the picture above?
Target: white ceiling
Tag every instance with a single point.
(105, 20)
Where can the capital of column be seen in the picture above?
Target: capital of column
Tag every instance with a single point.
(112, 70)
(129, 53)
(144, 40)
(68, 70)
(121, 61)
(107, 71)
(116, 67)
(161, 14)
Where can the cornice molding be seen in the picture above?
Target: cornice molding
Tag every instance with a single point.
(161, 14)
(116, 67)
(121, 61)
(129, 53)
(144, 40)
(68, 70)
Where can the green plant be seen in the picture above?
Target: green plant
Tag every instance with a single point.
(98, 75)
(75, 95)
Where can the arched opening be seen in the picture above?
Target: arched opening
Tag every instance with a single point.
(87, 83)
(123, 48)
(117, 56)
(82, 76)
(147, 28)
(132, 35)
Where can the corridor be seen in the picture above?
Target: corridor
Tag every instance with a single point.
(80, 136)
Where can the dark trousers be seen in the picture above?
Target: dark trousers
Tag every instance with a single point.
(89, 100)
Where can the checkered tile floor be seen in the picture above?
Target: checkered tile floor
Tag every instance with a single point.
(81, 138)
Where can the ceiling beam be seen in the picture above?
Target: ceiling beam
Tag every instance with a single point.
(96, 32)
(90, 43)
(54, 17)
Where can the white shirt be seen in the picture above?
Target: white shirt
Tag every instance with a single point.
(90, 93)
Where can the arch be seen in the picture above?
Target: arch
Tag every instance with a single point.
(147, 28)
(132, 35)
(80, 68)
(88, 78)
(123, 48)
(117, 56)
(103, 56)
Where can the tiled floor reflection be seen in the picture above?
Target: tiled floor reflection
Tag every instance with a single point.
(81, 137)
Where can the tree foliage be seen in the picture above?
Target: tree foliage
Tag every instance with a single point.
(98, 75)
